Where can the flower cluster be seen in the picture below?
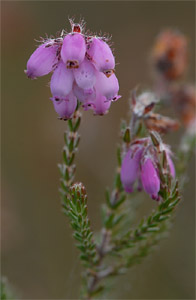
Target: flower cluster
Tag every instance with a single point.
(140, 164)
(83, 69)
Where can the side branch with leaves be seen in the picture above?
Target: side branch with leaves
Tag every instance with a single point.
(119, 246)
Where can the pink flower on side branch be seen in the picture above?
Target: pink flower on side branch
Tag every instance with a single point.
(140, 164)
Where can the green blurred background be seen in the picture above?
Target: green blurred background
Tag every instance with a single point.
(38, 253)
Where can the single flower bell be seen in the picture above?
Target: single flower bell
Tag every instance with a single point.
(42, 61)
(100, 105)
(86, 97)
(73, 50)
(130, 167)
(66, 107)
(150, 178)
(101, 55)
(85, 75)
(108, 87)
(61, 81)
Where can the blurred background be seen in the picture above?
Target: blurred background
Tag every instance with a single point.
(38, 254)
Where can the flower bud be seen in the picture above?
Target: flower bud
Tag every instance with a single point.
(42, 61)
(61, 81)
(150, 179)
(65, 107)
(101, 55)
(130, 167)
(73, 50)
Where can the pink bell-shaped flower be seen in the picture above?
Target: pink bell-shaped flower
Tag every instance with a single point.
(61, 81)
(100, 105)
(108, 87)
(42, 61)
(66, 107)
(85, 75)
(73, 50)
(150, 178)
(130, 167)
(86, 97)
(101, 55)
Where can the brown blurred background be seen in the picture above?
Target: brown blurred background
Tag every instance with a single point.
(38, 253)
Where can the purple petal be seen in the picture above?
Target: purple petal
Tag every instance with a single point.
(42, 61)
(73, 50)
(150, 179)
(85, 75)
(108, 87)
(61, 81)
(130, 168)
(65, 108)
(101, 105)
(86, 97)
(101, 55)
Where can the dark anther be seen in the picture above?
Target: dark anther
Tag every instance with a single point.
(72, 64)
(108, 73)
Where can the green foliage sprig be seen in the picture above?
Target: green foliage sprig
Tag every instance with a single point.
(68, 168)
(117, 249)
(153, 224)
(119, 246)
(77, 212)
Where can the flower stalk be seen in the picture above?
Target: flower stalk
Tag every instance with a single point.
(68, 168)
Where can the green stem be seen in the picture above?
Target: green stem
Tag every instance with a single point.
(68, 168)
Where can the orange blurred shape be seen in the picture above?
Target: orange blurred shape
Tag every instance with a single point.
(170, 54)
(161, 123)
(184, 100)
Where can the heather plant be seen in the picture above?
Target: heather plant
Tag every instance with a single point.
(83, 77)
